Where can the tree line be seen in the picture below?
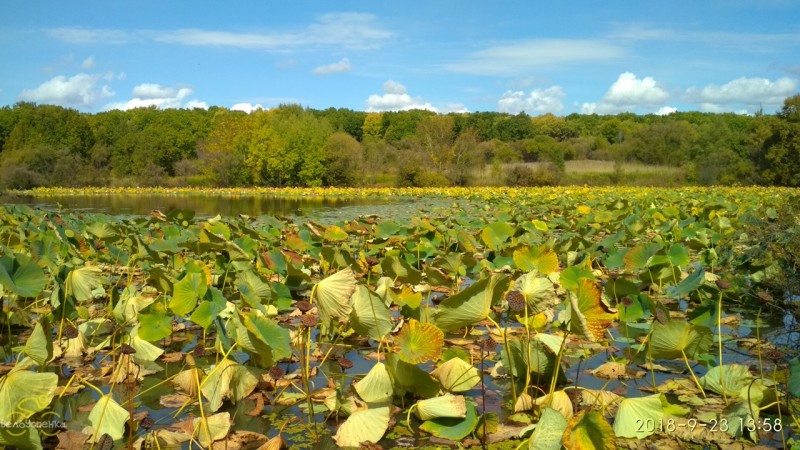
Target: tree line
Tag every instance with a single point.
(45, 145)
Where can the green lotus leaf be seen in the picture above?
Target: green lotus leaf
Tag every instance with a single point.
(539, 259)
(24, 393)
(130, 303)
(108, 417)
(640, 255)
(571, 276)
(81, 282)
(688, 284)
(25, 437)
(370, 316)
(376, 386)
(678, 337)
(186, 293)
(419, 342)
(496, 233)
(210, 308)
(727, 379)
(549, 431)
(155, 326)
(39, 346)
(366, 425)
(638, 417)
(253, 289)
(678, 255)
(270, 333)
(21, 275)
(457, 375)
(333, 296)
(398, 269)
(453, 428)
(539, 293)
(410, 378)
(471, 305)
(794, 377)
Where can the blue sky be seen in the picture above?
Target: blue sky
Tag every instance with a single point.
(510, 56)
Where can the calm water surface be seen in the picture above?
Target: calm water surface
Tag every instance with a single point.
(202, 205)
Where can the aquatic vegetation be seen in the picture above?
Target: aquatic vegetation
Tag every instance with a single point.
(587, 318)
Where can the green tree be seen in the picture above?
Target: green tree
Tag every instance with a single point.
(344, 160)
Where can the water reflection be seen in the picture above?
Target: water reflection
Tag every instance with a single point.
(203, 205)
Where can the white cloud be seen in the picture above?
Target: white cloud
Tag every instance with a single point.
(538, 101)
(88, 63)
(347, 30)
(523, 57)
(78, 35)
(741, 42)
(247, 107)
(748, 91)
(153, 91)
(396, 98)
(81, 90)
(151, 94)
(666, 110)
(627, 94)
(343, 65)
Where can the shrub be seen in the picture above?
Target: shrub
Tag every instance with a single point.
(546, 174)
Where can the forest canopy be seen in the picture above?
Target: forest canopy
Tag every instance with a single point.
(45, 145)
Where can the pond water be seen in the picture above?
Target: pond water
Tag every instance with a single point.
(203, 205)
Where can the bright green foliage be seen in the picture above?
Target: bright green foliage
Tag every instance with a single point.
(21, 275)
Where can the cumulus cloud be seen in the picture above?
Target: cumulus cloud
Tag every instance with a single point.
(88, 63)
(247, 107)
(666, 110)
(526, 56)
(747, 91)
(343, 65)
(395, 98)
(152, 94)
(627, 94)
(81, 91)
(537, 101)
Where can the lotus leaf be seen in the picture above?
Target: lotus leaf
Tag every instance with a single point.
(81, 282)
(471, 305)
(591, 431)
(370, 316)
(367, 425)
(677, 338)
(400, 270)
(21, 275)
(447, 405)
(538, 291)
(638, 417)
(496, 233)
(457, 375)
(549, 431)
(333, 295)
(419, 342)
(727, 379)
(24, 393)
(186, 293)
(227, 380)
(212, 428)
(588, 315)
(376, 386)
(108, 417)
(453, 428)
